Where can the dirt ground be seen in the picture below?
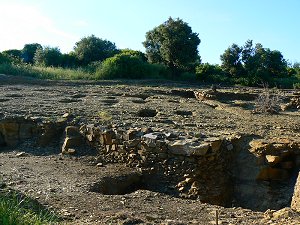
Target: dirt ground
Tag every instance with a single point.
(63, 183)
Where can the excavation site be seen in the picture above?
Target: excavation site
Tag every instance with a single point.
(145, 152)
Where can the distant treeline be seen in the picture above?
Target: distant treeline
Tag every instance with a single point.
(171, 53)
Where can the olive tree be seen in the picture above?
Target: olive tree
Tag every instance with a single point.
(173, 44)
(90, 49)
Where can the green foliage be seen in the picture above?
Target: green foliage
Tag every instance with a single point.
(44, 72)
(211, 73)
(131, 52)
(232, 61)
(4, 59)
(16, 209)
(15, 53)
(296, 85)
(69, 60)
(253, 65)
(174, 45)
(125, 66)
(91, 48)
(28, 52)
(47, 56)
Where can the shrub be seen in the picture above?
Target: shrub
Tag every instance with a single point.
(211, 74)
(268, 101)
(296, 86)
(4, 59)
(126, 66)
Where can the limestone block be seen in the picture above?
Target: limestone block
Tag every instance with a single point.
(188, 148)
(295, 204)
(199, 150)
(178, 148)
(273, 159)
(150, 139)
(72, 142)
(259, 144)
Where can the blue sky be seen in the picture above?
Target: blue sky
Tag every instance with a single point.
(219, 23)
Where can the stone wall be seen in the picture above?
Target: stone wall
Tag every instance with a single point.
(188, 166)
(16, 130)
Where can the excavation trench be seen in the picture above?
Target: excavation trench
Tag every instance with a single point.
(265, 181)
(254, 174)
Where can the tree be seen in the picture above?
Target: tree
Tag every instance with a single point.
(28, 52)
(48, 56)
(210, 73)
(131, 52)
(69, 60)
(173, 44)
(232, 60)
(255, 63)
(91, 48)
(15, 53)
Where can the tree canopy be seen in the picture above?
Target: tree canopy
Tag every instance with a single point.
(48, 56)
(255, 62)
(173, 44)
(28, 52)
(92, 48)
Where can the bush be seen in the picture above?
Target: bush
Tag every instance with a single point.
(296, 86)
(124, 66)
(211, 74)
(268, 101)
(4, 59)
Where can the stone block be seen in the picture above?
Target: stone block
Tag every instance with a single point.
(273, 159)
(185, 148)
(199, 150)
(72, 142)
(295, 204)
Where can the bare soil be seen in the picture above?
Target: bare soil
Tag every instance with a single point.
(64, 183)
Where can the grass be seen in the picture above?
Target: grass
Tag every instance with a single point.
(58, 73)
(53, 73)
(16, 209)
